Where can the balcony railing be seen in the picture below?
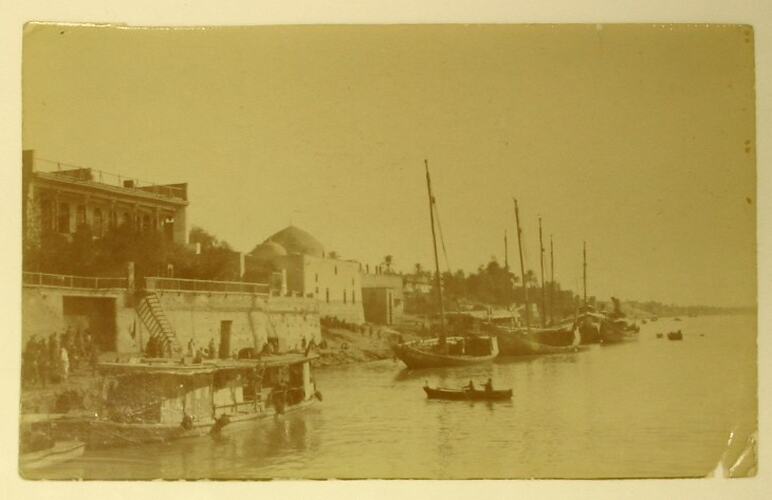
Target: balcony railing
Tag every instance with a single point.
(67, 281)
(186, 285)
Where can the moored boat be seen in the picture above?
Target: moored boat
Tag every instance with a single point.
(59, 452)
(41, 447)
(468, 394)
(161, 400)
(444, 351)
(458, 351)
(615, 331)
(675, 335)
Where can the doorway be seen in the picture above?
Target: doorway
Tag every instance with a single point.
(225, 339)
(95, 315)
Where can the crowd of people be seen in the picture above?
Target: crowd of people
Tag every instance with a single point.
(51, 360)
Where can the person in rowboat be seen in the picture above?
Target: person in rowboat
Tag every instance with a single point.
(470, 386)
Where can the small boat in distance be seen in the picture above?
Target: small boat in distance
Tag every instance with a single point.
(468, 394)
(445, 351)
(675, 335)
(659, 335)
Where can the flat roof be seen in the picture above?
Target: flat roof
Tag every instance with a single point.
(126, 191)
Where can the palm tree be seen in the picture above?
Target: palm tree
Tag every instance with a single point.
(530, 278)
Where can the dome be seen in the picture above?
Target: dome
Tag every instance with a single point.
(268, 250)
(295, 240)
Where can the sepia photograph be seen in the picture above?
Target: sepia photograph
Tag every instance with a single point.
(450, 251)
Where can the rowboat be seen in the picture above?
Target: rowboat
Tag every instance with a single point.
(468, 394)
(675, 335)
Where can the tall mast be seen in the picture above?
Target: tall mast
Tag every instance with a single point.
(541, 262)
(522, 267)
(552, 281)
(584, 273)
(506, 252)
(436, 258)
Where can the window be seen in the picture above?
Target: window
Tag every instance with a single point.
(63, 221)
(353, 296)
(146, 223)
(80, 216)
(316, 277)
(98, 222)
(126, 219)
(316, 292)
(344, 296)
(46, 216)
(327, 295)
(336, 270)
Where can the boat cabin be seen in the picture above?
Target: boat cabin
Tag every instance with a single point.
(151, 391)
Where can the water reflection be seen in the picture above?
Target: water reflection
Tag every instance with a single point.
(643, 409)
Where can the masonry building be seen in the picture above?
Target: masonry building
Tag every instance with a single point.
(310, 272)
(62, 199)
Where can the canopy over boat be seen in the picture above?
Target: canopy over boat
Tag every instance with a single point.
(152, 366)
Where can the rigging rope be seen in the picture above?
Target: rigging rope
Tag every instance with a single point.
(442, 237)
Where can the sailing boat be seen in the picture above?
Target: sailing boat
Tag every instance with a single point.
(444, 350)
(518, 341)
(589, 322)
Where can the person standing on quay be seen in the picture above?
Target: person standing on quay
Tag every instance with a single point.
(64, 363)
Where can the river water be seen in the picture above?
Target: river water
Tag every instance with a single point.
(652, 408)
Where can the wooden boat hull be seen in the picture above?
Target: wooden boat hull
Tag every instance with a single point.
(522, 344)
(675, 336)
(99, 433)
(558, 337)
(468, 395)
(62, 451)
(102, 433)
(419, 354)
(616, 334)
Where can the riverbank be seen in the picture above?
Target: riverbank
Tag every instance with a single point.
(340, 346)
(367, 343)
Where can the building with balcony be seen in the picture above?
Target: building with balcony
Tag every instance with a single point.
(62, 198)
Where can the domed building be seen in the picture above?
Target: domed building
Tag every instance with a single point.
(306, 271)
(296, 241)
(268, 250)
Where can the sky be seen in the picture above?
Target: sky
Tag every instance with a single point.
(638, 139)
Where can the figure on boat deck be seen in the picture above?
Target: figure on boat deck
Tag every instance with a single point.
(489, 385)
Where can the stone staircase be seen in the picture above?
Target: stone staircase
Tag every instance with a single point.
(154, 318)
